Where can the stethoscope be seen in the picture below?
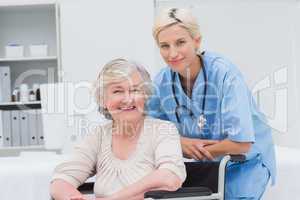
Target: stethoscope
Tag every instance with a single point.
(201, 120)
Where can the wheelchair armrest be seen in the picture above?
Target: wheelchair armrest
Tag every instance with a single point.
(86, 188)
(237, 158)
(180, 193)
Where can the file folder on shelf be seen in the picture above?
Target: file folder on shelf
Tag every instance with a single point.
(6, 128)
(32, 121)
(40, 128)
(15, 127)
(5, 88)
(1, 130)
(24, 128)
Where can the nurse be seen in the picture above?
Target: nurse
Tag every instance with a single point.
(206, 96)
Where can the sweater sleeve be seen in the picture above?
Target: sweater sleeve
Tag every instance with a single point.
(82, 162)
(168, 152)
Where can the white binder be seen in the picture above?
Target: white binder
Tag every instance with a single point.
(5, 88)
(1, 85)
(1, 130)
(15, 127)
(6, 128)
(39, 122)
(24, 132)
(32, 121)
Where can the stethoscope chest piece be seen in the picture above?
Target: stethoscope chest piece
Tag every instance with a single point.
(201, 121)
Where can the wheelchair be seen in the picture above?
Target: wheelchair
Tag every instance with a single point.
(199, 185)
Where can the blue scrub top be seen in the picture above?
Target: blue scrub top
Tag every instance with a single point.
(231, 113)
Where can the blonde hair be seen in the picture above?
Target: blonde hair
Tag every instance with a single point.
(115, 71)
(171, 16)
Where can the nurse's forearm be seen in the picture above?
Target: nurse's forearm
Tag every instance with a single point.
(228, 147)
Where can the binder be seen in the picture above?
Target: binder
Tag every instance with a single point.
(15, 127)
(32, 127)
(6, 128)
(39, 127)
(1, 130)
(1, 85)
(24, 132)
(5, 88)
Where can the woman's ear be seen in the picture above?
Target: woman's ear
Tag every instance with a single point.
(197, 41)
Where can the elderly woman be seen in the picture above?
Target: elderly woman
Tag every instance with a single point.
(129, 154)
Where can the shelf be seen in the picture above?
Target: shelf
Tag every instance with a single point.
(28, 59)
(17, 4)
(33, 147)
(20, 105)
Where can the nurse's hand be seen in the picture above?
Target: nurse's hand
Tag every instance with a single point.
(194, 148)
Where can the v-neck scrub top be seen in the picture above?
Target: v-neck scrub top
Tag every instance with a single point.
(231, 113)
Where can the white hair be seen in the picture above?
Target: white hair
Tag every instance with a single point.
(115, 71)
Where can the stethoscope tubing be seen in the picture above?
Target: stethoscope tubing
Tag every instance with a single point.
(204, 92)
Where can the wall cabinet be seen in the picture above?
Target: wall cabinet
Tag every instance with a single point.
(35, 28)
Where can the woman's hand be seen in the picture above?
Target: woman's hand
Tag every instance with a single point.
(194, 148)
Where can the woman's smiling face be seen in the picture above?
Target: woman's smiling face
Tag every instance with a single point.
(125, 99)
(178, 47)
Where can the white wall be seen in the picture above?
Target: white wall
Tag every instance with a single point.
(93, 32)
(260, 36)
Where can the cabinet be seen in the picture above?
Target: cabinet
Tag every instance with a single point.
(27, 24)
